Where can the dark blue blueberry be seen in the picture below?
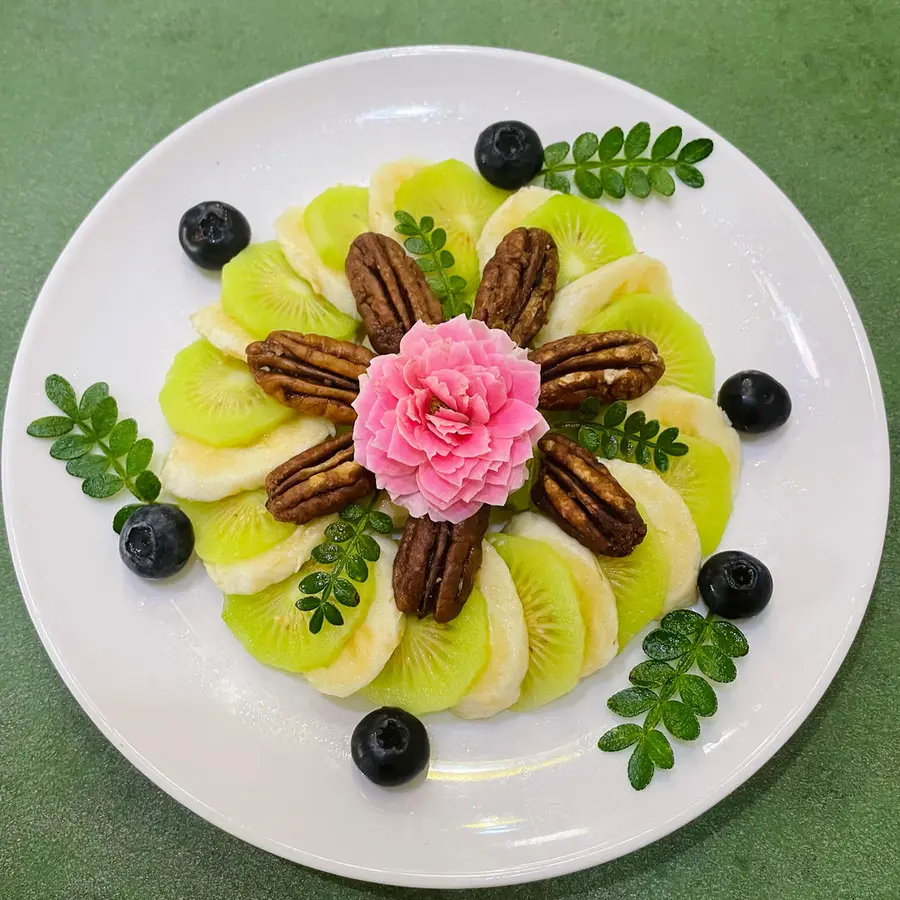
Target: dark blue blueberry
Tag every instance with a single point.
(735, 585)
(213, 233)
(156, 540)
(754, 402)
(509, 154)
(390, 746)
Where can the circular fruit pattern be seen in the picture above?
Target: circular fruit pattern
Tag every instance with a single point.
(551, 503)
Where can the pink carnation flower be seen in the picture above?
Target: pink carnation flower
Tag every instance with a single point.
(449, 422)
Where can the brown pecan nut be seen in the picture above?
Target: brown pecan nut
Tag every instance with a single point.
(608, 365)
(319, 481)
(436, 563)
(390, 290)
(313, 374)
(518, 284)
(578, 492)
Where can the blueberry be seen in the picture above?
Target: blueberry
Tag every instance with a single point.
(735, 585)
(390, 746)
(156, 540)
(213, 233)
(754, 402)
(509, 154)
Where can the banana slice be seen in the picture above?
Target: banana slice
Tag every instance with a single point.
(383, 188)
(497, 688)
(223, 332)
(249, 576)
(668, 513)
(301, 254)
(372, 644)
(595, 595)
(506, 217)
(696, 416)
(195, 471)
(397, 514)
(576, 302)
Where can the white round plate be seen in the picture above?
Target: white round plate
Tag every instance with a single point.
(522, 796)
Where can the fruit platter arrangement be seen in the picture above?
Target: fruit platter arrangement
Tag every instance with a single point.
(450, 442)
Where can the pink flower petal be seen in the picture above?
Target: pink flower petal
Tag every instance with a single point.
(447, 424)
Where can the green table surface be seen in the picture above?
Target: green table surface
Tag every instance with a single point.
(809, 89)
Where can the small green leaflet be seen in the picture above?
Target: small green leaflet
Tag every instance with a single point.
(629, 437)
(667, 693)
(96, 446)
(426, 244)
(347, 549)
(593, 163)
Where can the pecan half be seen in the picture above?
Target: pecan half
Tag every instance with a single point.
(313, 374)
(435, 566)
(578, 492)
(319, 481)
(390, 290)
(609, 365)
(518, 284)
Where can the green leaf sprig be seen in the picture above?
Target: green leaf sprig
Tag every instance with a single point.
(426, 244)
(684, 639)
(348, 550)
(596, 161)
(625, 436)
(100, 442)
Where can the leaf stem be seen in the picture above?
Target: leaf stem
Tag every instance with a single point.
(616, 163)
(349, 547)
(447, 293)
(667, 690)
(619, 432)
(127, 480)
(435, 257)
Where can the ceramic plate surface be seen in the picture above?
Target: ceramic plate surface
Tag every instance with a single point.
(522, 796)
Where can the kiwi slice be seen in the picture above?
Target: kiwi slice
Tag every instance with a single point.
(703, 478)
(639, 581)
(262, 292)
(334, 219)
(214, 399)
(236, 528)
(556, 633)
(273, 631)
(587, 235)
(434, 665)
(460, 201)
(690, 363)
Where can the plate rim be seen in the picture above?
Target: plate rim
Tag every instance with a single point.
(570, 862)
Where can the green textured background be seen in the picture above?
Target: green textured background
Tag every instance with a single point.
(808, 88)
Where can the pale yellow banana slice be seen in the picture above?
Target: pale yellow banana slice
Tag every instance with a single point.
(506, 217)
(696, 416)
(297, 247)
(595, 595)
(196, 471)
(374, 640)
(667, 512)
(497, 688)
(398, 514)
(248, 576)
(383, 189)
(578, 301)
(223, 332)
